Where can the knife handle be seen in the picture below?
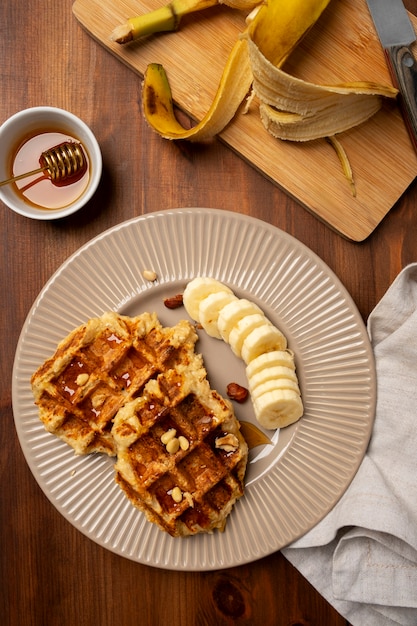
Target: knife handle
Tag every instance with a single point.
(403, 69)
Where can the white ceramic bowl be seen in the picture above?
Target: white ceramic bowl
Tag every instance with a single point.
(28, 122)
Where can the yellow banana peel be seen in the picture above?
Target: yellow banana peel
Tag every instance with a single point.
(296, 110)
(279, 26)
(234, 85)
(237, 75)
(290, 108)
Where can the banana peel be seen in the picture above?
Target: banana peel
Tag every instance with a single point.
(158, 105)
(290, 108)
(296, 110)
(237, 76)
(279, 26)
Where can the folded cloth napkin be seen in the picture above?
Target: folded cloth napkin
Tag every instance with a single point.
(362, 557)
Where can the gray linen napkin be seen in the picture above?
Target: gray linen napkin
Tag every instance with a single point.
(362, 557)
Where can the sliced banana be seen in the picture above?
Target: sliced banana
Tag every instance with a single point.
(278, 408)
(265, 338)
(231, 314)
(270, 366)
(210, 308)
(198, 289)
(275, 358)
(274, 385)
(242, 329)
(275, 372)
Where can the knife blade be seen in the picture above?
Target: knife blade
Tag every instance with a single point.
(396, 34)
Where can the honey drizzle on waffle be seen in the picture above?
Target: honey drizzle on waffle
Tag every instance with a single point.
(97, 369)
(209, 478)
(117, 385)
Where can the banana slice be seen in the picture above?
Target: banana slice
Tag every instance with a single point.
(210, 308)
(242, 329)
(278, 408)
(262, 339)
(270, 366)
(277, 372)
(231, 314)
(276, 358)
(198, 289)
(275, 384)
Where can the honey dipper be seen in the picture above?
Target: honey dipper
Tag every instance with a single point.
(60, 162)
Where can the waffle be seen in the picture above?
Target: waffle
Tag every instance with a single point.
(98, 368)
(131, 388)
(181, 458)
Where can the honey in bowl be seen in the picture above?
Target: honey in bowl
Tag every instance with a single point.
(39, 190)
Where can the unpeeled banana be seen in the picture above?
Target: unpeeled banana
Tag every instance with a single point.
(270, 366)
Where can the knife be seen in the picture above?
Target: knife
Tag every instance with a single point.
(396, 34)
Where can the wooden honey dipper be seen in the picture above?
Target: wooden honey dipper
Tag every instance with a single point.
(61, 162)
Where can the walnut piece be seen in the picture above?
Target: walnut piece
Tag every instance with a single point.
(237, 392)
(174, 302)
(228, 443)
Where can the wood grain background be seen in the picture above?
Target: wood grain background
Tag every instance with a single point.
(341, 47)
(51, 574)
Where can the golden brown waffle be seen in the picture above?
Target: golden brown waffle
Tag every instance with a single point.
(98, 368)
(132, 388)
(180, 455)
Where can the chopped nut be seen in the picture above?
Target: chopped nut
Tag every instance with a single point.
(184, 443)
(187, 495)
(149, 275)
(82, 379)
(176, 495)
(173, 446)
(168, 435)
(98, 400)
(174, 302)
(228, 443)
(237, 392)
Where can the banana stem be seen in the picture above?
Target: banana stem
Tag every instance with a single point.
(164, 19)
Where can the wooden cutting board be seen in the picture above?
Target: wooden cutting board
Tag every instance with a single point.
(341, 47)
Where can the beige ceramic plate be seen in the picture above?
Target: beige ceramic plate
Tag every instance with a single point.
(291, 482)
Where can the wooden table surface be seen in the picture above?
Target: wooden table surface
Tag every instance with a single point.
(50, 572)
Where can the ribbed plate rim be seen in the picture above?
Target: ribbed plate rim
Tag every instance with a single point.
(303, 482)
